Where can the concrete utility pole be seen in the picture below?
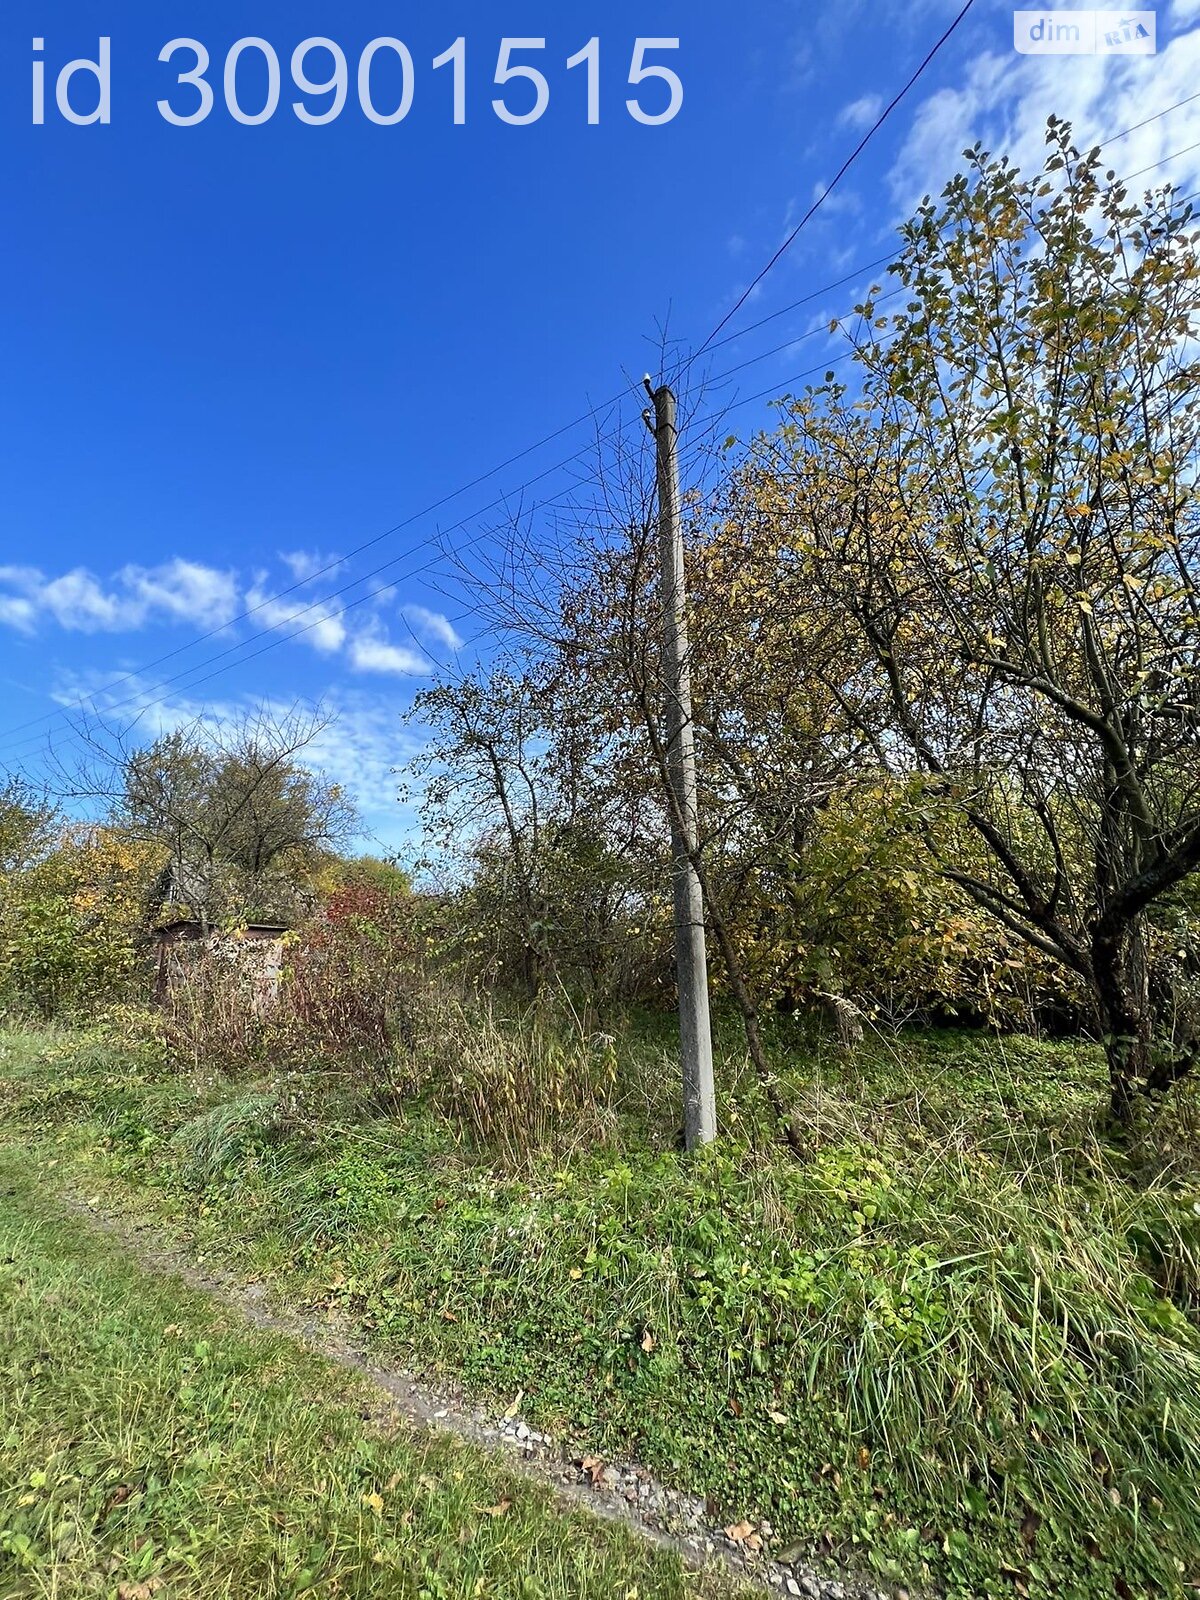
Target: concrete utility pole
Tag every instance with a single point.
(695, 1035)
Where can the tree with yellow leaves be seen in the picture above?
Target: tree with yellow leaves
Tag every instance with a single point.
(1005, 526)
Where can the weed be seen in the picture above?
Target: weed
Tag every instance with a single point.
(527, 1089)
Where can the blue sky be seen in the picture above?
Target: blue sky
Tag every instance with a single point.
(232, 354)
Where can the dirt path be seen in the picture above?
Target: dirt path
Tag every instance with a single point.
(622, 1492)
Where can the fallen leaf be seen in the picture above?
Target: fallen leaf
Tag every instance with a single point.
(739, 1532)
(778, 1418)
(864, 1457)
(497, 1510)
(592, 1466)
(375, 1501)
(648, 1341)
(515, 1407)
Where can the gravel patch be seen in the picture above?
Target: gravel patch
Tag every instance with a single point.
(620, 1491)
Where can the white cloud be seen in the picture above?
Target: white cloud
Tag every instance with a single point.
(208, 598)
(317, 623)
(840, 200)
(364, 744)
(361, 747)
(80, 603)
(433, 626)
(1005, 99)
(17, 612)
(860, 113)
(20, 577)
(304, 565)
(371, 651)
(186, 590)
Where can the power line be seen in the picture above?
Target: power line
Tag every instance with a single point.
(416, 516)
(837, 177)
(280, 638)
(1174, 156)
(712, 342)
(95, 697)
(340, 561)
(1146, 121)
(430, 542)
(276, 643)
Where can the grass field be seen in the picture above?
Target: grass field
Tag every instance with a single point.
(956, 1344)
(148, 1447)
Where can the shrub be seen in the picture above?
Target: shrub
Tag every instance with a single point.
(355, 977)
(71, 925)
(349, 998)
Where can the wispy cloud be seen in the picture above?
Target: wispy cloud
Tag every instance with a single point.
(364, 746)
(190, 592)
(372, 651)
(317, 623)
(1004, 100)
(844, 201)
(186, 590)
(80, 602)
(18, 612)
(860, 113)
(304, 565)
(432, 626)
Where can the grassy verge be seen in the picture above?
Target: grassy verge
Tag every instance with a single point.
(147, 1448)
(957, 1344)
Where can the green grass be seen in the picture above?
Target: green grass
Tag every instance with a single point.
(148, 1447)
(958, 1343)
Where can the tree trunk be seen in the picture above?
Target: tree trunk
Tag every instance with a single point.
(531, 969)
(1119, 976)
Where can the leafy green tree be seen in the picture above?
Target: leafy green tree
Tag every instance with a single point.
(546, 875)
(241, 816)
(72, 922)
(1005, 524)
(28, 823)
(482, 777)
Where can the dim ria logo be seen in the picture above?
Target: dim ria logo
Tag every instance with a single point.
(1084, 33)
